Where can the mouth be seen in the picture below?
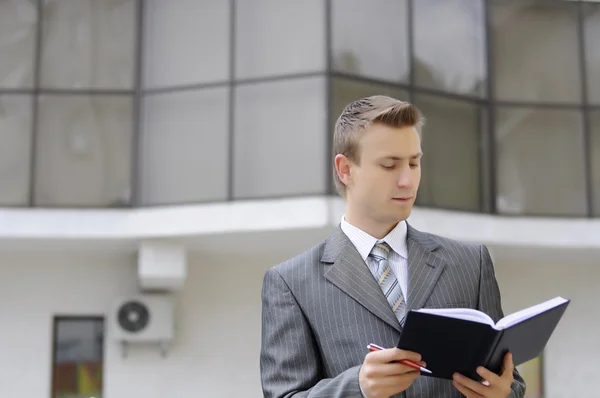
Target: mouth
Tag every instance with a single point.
(403, 199)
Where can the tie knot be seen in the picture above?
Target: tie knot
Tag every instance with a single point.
(381, 251)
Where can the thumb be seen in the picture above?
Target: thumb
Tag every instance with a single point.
(508, 366)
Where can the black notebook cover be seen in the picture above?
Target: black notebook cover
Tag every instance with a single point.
(451, 345)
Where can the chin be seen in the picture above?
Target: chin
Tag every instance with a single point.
(403, 214)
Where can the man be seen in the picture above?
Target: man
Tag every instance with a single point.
(322, 308)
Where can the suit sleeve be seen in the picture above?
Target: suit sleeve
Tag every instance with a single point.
(290, 364)
(490, 302)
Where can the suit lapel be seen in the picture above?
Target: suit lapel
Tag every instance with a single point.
(350, 274)
(424, 267)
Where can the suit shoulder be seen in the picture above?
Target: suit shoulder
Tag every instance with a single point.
(456, 245)
(301, 262)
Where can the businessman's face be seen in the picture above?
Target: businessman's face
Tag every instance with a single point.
(382, 187)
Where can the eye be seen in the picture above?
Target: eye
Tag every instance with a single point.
(387, 167)
(414, 165)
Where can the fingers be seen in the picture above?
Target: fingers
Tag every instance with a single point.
(466, 391)
(393, 354)
(386, 386)
(386, 362)
(468, 384)
(381, 374)
(488, 375)
(492, 384)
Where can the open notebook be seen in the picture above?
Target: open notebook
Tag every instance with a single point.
(461, 339)
(470, 314)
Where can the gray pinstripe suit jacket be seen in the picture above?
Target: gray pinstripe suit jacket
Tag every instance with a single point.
(322, 307)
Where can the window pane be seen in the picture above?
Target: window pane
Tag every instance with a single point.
(15, 149)
(83, 151)
(345, 91)
(275, 37)
(280, 138)
(88, 44)
(78, 358)
(592, 50)
(450, 57)
(18, 22)
(595, 158)
(536, 54)
(186, 42)
(185, 147)
(451, 153)
(540, 162)
(370, 38)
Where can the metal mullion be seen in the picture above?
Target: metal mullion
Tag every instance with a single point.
(411, 51)
(17, 91)
(137, 124)
(587, 157)
(328, 98)
(231, 110)
(35, 102)
(489, 139)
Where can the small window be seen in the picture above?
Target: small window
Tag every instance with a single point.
(78, 357)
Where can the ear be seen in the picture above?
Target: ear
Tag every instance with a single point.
(343, 167)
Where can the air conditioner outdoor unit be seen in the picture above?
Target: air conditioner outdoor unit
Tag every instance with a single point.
(144, 318)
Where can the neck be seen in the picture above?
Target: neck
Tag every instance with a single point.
(375, 228)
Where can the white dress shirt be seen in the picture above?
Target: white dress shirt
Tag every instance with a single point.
(396, 239)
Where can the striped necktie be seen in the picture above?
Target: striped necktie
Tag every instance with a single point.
(387, 280)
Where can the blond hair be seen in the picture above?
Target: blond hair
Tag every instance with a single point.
(359, 115)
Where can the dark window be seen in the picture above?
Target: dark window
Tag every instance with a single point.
(15, 149)
(451, 153)
(540, 162)
(88, 44)
(536, 56)
(279, 125)
(595, 156)
(591, 26)
(83, 151)
(78, 357)
(370, 38)
(451, 56)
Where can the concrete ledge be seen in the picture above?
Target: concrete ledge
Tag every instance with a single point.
(31, 227)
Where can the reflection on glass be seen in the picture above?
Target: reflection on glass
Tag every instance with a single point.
(279, 144)
(186, 42)
(15, 149)
(595, 158)
(592, 50)
(78, 358)
(540, 162)
(536, 54)
(451, 56)
(451, 157)
(370, 38)
(83, 151)
(184, 154)
(88, 44)
(18, 22)
(277, 37)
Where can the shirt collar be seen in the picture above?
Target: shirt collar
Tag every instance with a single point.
(364, 242)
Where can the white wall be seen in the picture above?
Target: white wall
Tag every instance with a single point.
(218, 340)
(571, 356)
(217, 347)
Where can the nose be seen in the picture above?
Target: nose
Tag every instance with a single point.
(404, 179)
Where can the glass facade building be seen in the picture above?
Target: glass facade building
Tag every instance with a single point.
(131, 103)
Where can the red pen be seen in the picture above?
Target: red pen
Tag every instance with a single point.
(374, 347)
